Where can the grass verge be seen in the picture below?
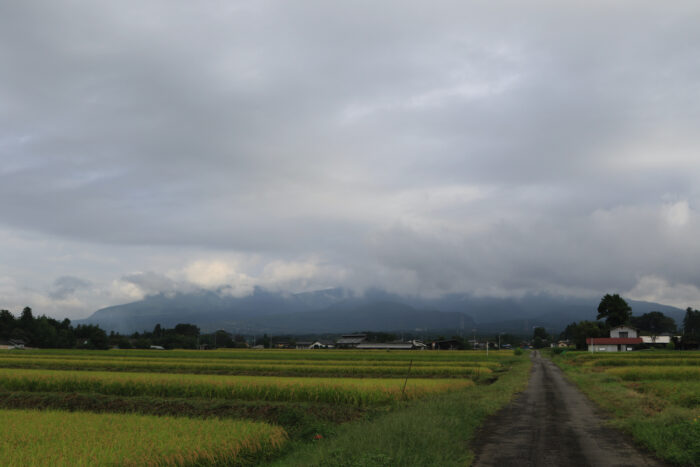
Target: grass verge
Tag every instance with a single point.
(431, 432)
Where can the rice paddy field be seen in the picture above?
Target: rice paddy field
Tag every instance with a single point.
(228, 407)
(652, 395)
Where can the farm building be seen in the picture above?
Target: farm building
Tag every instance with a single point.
(12, 344)
(622, 339)
(663, 339)
(350, 341)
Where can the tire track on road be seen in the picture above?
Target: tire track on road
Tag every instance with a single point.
(552, 423)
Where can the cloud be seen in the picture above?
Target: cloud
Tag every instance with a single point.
(218, 274)
(482, 148)
(656, 289)
(65, 286)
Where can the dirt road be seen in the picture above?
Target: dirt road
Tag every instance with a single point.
(553, 424)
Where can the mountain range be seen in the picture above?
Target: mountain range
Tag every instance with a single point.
(341, 311)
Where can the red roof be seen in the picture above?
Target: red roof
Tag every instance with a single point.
(614, 340)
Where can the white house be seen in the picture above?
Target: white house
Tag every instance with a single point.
(622, 339)
(623, 332)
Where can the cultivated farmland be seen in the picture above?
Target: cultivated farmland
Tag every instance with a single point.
(239, 407)
(652, 395)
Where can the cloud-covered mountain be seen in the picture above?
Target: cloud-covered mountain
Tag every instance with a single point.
(338, 311)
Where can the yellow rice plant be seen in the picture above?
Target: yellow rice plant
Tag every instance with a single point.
(308, 358)
(355, 391)
(54, 438)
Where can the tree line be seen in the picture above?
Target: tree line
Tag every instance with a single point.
(45, 332)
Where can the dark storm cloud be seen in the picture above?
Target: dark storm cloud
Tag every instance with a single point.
(431, 148)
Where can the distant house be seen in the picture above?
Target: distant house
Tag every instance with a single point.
(622, 339)
(156, 347)
(350, 341)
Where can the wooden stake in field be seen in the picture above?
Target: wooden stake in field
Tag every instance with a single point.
(403, 391)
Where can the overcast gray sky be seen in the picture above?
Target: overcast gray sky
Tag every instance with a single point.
(493, 148)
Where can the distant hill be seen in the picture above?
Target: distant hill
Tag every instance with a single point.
(338, 311)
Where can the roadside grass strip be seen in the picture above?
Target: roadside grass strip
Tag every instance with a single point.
(56, 438)
(353, 391)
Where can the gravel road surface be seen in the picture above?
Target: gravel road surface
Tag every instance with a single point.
(553, 424)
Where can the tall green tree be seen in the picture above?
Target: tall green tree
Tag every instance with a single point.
(579, 332)
(654, 322)
(615, 310)
(691, 324)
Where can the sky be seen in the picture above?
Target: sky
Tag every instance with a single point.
(489, 148)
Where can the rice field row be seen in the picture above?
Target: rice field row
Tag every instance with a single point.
(655, 373)
(262, 369)
(644, 362)
(637, 355)
(352, 391)
(85, 439)
(284, 387)
(282, 355)
(252, 368)
(15, 356)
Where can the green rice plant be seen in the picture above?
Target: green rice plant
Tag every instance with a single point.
(352, 391)
(55, 438)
